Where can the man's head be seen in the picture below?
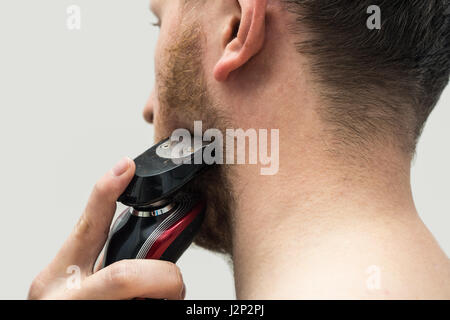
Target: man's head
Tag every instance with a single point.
(311, 68)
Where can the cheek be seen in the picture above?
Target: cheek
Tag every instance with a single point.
(167, 35)
(159, 70)
(166, 39)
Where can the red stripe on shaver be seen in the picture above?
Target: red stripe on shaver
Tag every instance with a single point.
(167, 237)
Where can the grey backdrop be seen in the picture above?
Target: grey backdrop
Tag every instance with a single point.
(71, 104)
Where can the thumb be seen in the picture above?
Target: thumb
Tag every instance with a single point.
(89, 235)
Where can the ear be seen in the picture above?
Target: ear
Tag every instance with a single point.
(249, 40)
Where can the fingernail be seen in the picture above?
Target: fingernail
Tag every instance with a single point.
(121, 167)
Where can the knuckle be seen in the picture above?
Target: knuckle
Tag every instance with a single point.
(101, 189)
(121, 274)
(83, 227)
(175, 276)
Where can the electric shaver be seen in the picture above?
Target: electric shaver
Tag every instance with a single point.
(162, 218)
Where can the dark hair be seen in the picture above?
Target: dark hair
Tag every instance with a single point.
(380, 84)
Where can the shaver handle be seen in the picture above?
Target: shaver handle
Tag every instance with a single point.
(164, 237)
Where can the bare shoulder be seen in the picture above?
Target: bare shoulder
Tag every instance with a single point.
(397, 261)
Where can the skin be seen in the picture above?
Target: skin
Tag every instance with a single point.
(325, 226)
(121, 280)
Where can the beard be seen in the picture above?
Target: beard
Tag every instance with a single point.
(184, 98)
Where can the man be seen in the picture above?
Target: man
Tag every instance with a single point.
(338, 219)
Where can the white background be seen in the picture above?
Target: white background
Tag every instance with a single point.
(70, 107)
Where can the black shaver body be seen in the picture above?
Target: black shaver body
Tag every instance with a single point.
(163, 218)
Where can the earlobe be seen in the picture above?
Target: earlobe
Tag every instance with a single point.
(248, 42)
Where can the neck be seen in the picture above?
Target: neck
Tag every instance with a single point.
(279, 220)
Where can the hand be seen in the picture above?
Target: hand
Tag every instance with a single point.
(125, 279)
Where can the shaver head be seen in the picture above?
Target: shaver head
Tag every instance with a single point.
(161, 171)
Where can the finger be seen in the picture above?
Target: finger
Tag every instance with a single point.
(128, 279)
(89, 235)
